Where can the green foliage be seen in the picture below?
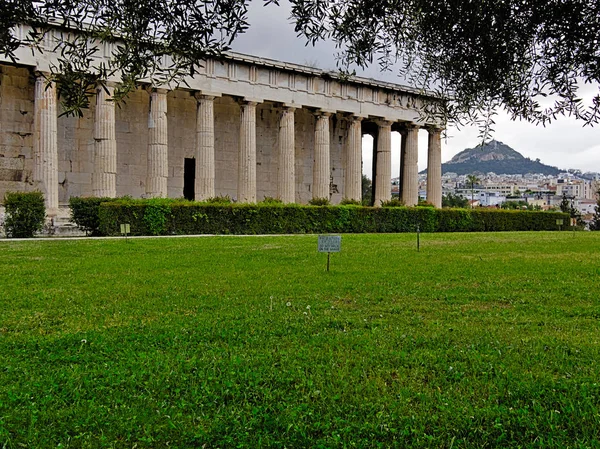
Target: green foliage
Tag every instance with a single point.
(84, 212)
(519, 205)
(394, 202)
(367, 190)
(219, 199)
(595, 224)
(156, 214)
(484, 340)
(455, 201)
(319, 202)
(25, 213)
(270, 200)
(168, 217)
(350, 202)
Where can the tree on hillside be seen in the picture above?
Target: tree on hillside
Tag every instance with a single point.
(528, 57)
(367, 190)
(471, 181)
(455, 201)
(595, 224)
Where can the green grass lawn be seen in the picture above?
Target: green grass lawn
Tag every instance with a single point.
(479, 340)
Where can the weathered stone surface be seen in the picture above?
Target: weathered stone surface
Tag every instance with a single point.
(383, 179)
(434, 167)
(321, 170)
(410, 175)
(45, 142)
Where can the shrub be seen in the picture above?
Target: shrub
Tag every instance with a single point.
(394, 202)
(167, 217)
(350, 202)
(84, 212)
(25, 213)
(270, 200)
(219, 199)
(319, 202)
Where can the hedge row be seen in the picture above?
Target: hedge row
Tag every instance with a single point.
(170, 217)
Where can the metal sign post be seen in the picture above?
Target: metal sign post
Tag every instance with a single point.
(559, 223)
(330, 244)
(125, 229)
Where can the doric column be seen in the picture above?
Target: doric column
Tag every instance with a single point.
(321, 169)
(158, 162)
(45, 142)
(434, 167)
(104, 178)
(410, 176)
(383, 179)
(285, 169)
(403, 134)
(353, 184)
(247, 156)
(205, 148)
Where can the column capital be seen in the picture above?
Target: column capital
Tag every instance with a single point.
(324, 113)
(251, 101)
(205, 95)
(158, 90)
(42, 74)
(384, 122)
(434, 129)
(356, 118)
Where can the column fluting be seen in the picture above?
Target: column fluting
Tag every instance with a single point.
(410, 176)
(434, 167)
(321, 169)
(45, 142)
(383, 178)
(247, 153)
(104, 178)
(286, 175)
(205, 148)
(158, 150)
(353, 184)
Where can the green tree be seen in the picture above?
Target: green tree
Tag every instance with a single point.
(471, 181)
(595, 224)
(479, 55)
(367, 190)
(455, 201)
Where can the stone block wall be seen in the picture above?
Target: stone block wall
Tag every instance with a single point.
(76, 143)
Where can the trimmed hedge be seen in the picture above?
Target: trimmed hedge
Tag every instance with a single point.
(84, 212)
(171, 217)
(25, 213)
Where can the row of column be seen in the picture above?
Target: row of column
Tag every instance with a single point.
(105, 152)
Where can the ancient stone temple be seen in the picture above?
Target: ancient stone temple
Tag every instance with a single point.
(245, 127)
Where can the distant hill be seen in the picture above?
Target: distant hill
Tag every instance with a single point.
(498, 158)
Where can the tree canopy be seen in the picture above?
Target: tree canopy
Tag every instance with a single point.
(530, 57)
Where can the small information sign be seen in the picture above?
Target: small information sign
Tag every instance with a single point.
(559, 222)
(330, 243)
(125, 229)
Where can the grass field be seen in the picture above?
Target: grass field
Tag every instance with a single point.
(478, 340)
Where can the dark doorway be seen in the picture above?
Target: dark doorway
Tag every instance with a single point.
(189, 178)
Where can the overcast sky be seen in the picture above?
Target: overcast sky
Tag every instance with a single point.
(565, 143)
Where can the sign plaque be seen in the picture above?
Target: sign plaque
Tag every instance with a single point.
(330, 243)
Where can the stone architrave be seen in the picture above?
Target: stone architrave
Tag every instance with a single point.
(434, 167)
(353, 184)
(158, 162)
(205, 148)
(321, 169)
(383, 178)
(286, 180)
(104, 178)
(410, 175)
(45, 142)
(247, 153)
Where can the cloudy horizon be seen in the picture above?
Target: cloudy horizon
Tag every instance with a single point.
(564, 143)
